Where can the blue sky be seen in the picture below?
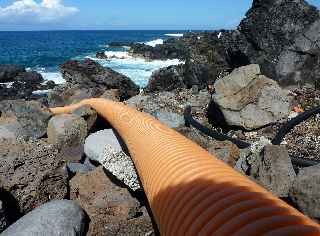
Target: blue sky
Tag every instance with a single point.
(122, 14)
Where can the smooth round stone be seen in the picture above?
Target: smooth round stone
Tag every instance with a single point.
(54, 218)
(95, 144)
(105, 148)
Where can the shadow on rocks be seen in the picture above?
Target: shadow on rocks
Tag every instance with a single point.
(11, 206)
(100, 124)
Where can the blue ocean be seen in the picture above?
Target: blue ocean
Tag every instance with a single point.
(44, 51)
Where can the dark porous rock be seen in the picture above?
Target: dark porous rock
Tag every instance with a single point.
(32, 116)
(93, 76)
(67, 131)
(305, 191)
(239, 52)
(26, 83)
(197, 74)
(50, 84)
(299, 64)
(282, 33)
(166, 79)
(23, 85)
(9, 72)
(30, 77)
(72, 154)
(54, 218)
(88, 114)
(205, 61)
(112, 210)
(272, 25)
(170, 49)
(33, 173)
(101, 55)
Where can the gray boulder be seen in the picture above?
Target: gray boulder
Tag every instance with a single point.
(276, 172)
(104, 147)
(33, 173)
(54, 218)
(67, 131)
(10, 129)
(299, 64)
(305, 191)
(250, 100)
(32, 117)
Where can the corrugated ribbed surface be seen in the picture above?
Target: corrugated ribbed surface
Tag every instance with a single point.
(190, 191)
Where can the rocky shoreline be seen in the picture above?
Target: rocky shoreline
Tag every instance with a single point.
(244, 84)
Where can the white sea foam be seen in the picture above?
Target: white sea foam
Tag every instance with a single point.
(41, 92)
(53, 76)
(154, 43)
(138, 69)
(104, 46)
(174, 35)
(219, 35)
(117, 55)
(7, 85)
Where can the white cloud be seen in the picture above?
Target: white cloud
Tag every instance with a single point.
(30, 11)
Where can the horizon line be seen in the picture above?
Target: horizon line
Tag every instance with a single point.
(48, 30)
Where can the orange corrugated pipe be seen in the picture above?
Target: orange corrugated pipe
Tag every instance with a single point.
(190, 191)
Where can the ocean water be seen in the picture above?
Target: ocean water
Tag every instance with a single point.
(44, 51)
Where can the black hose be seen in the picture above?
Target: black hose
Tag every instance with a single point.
(301, 162)
(287, 127)
(189, 121)
(297, 161)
